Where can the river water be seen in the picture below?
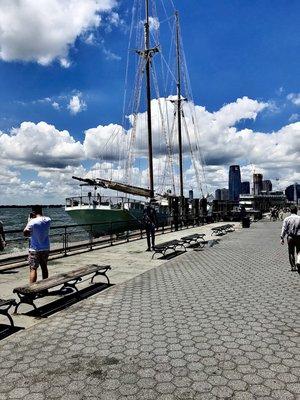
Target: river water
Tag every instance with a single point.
(16, 219)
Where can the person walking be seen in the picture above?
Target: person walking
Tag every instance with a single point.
(37, 229)
(2, 237)
(291, 229)
(150, 222)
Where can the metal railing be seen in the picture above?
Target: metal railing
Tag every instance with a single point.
(67, 239)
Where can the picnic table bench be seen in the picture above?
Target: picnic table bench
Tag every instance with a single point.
(162, 248)
(222, 229)
(28, 293)
(198, 238)
(5, 306)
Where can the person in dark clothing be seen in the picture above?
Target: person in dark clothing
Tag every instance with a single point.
(291, 229)
(150, 223)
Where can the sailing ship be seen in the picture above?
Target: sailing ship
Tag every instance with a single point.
(113, 214)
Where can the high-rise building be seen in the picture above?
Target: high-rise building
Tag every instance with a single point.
(257, 184)
(245, 188)
(234, 182)
(267, 186)
(292, 192)
(218, 194)
(224, 194)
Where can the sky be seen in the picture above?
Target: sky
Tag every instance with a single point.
(62, 79)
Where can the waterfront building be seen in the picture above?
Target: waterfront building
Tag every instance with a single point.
(224, 194)
(267, 186)
(263, 202)
(292, 192)
(234, 182)
(257, 184)
(245, 188)
(218, 194)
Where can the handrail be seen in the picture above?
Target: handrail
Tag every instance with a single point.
(64, 239)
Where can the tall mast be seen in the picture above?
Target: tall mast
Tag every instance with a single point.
(147, 54)
(179, 100)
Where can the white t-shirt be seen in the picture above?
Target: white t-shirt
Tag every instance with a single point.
(39, 233)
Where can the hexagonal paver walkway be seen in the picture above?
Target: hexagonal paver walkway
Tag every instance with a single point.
(219, 323)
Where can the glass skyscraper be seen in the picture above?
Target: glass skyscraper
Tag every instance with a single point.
(234, 182)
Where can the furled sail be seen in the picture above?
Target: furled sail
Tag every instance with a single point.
(121, 187)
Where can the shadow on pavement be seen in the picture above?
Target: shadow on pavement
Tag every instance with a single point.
(7, 330)
(69, 297)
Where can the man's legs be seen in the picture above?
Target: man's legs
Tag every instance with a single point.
(291, 246)
(148, 233)
(297, 242)
(43, 259)
(153, 236)
(33, 265)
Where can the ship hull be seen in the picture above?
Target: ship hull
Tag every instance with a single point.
(102, 222)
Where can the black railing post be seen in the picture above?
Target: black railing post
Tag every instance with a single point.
(91, 237)
(111, 233)
(65, 243)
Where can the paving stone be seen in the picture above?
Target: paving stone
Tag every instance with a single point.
(220, 323)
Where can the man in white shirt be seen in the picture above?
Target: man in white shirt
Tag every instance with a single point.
(291, 229)
(38, 229)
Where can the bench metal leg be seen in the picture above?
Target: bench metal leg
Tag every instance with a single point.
(100, 273)
(6, 313)
(26, 299)
(71, 284)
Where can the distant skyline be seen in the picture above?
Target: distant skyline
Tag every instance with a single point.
(62, 73)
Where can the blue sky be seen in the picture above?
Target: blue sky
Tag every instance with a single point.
(233, 49)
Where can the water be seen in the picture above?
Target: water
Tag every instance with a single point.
(16, 219)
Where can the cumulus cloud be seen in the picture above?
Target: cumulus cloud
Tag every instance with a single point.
(56, 155)
(40, 145)
(77, 104)
(43, 31)
(294, 98)
(106, 142)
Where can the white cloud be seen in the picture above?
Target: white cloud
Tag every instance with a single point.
(294, 117)
(55, 155)
(40, 145)
(43, 31)
(76, 104)
(294, 98)
(154, 23)
(106, 142)
(55, 105)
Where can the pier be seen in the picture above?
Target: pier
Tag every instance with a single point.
(219, 322)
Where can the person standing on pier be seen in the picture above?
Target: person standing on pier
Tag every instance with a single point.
(150, 222)
(291, 229)
(2, 237)
(37, 229)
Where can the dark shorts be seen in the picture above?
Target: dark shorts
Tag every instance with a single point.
(36, 258)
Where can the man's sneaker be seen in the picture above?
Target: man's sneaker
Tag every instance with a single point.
(148, 249)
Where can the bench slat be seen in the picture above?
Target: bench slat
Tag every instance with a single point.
(59, 279)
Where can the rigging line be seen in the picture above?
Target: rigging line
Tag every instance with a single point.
(169, 150)
(129, 161)
(127, 61)
(192, 110)
(192, 155)
(171, 50)
(166, 14)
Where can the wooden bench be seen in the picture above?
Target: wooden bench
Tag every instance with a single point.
(5, 306)
(27, 294)
(162, 248)
(197, 238)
